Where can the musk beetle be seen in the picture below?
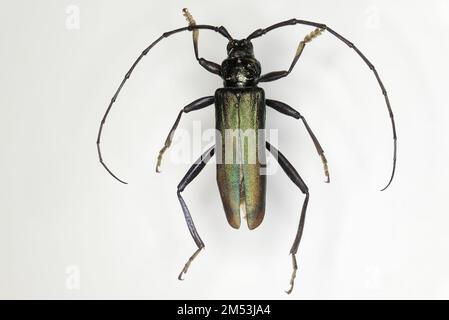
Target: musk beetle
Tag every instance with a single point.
(240, 105)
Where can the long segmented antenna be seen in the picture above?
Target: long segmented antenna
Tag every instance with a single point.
(261, 32)
(220, 30)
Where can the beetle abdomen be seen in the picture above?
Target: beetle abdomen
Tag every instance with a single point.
(240, 145)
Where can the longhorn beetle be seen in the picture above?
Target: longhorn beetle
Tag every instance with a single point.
(240, 105)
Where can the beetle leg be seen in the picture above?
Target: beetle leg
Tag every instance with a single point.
(195, 105)
(275, 75)
(289, 111)
(296, 179)
(206, 64)
(194, 170)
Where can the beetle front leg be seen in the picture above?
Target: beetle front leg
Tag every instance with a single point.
(296, 179)
(275, 75)
(289, 111)
(189, 176)
(195, 105)
(206, 64)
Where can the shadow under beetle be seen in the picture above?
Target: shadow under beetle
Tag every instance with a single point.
(240, 104)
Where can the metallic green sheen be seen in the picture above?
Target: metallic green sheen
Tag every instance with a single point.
(242, 184)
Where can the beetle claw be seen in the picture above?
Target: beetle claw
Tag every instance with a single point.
(184, 270)
(180, 278)
(289, 290)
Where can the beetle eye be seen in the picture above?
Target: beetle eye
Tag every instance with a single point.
(231, 45)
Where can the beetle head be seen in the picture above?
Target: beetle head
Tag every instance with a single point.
(240, 48)
(240, 68)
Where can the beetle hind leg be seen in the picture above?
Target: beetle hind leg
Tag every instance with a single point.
(297, 180)
(194, 170)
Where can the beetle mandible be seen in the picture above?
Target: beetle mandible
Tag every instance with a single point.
(241, 104)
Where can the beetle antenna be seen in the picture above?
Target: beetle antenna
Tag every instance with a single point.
(167, 34)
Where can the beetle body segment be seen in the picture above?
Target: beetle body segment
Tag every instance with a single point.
(240, 142)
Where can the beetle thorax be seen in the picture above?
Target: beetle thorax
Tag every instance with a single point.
(240, 68)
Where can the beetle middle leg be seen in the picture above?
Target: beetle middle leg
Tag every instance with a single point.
(194, 170)
(296, 179)
(289, 111)
(195, 105)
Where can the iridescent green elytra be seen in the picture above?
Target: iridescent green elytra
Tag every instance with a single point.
(241, 184)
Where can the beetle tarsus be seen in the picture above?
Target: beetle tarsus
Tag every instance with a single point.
(312, 35)
(326, 168)
(159, 158)
(292, 279)
(188, 17)
(187, 265)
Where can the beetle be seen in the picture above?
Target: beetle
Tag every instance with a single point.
(239, 105)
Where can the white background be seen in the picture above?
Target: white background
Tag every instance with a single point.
(68, 230)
